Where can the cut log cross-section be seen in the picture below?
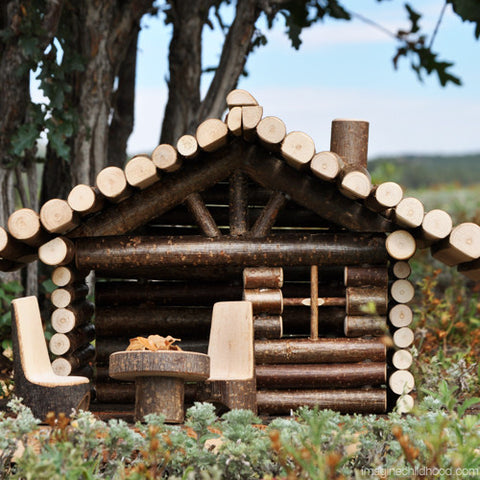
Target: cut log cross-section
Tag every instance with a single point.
(165, 158)
(463, 245)
(141, 172)
(59, 251)
(298, 149)
(211, 135)
(271, 132)
(327, 165)
(85, 199)
(112, 183)
(25, 225)
(58, 217)
(65, 320)
(62, 297)
(14, 250)
(187, 146)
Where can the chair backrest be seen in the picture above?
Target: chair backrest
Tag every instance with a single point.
(32, 345)
(230, 347)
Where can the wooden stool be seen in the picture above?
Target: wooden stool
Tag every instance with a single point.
(159, 379)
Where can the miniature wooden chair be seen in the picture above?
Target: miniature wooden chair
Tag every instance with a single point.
(41, 389)
(231, 352)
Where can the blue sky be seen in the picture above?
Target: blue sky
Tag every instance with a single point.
(342, 70)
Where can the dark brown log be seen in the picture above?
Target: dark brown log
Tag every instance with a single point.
(371, 325)
(238, 204)
(471, 270)
(327, 201)
(366, 301)
(266, 220)
(267, 327)
(25, 225)
(314, 302)
(130, 254)
(401, 269)
(349, 139)
(296, 321)
(65, 343)
(150, 203)
(115, 392)
(14, 250)
(58, 217)
(85, 199)
(67, 275)
(75, 361)
(321, 376)
(131, 321)
(277, 402)
(62, 297)
(265, 300)
(323, 350)
(366, 276)
(165, 293)
(321, 302)
(65, 320)
(202, 216)
(59, 251)
(9, 265)
(258, 277)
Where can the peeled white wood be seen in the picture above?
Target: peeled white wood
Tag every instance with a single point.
(59, 344)
(251, 116)
(402, 291)
(403, 337)
(401, 269)
(401, 245)
(240, 98)
(463, 245)
(85, 199)
(187, 146)
(63, 320)
(298, 149)
(409, 212)
(400, 315)
(471, 270)
(63, 276)
(141, 172)
(326, 165)
(61, 298)
(230, 346)
(271, 131)
(58, 251)
(165, 158)
(401, 382)
(24, 224)
(384, 196)
(58, 217)
(61, 366)
(112, 183)
(355, 183)
(405, 404)
(234, 121)
(402, 359)
(211, 134)
(436, 225)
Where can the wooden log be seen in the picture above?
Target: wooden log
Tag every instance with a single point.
(400, 316)
(9, 265)
(234, 121)
(262, 277)
(297, 149)
(266, 220)
(355, 182)
(187, 146)
(361, 325)
(296, 321)
(366, 301)
(24, 225)
(400, 245)
(267, 327)
(240, 98)
(321, 376)
(327, 202)
(349, 139)
(211, 134)
(115, 392)
(75, 361)
(403, 337)
(366, 276)
(271, 132)
(152, 202)
(326, 165)
(402, 359)
(323, 350)
(66, 275)
(14, 250)
(62, 297)
(277, 402)
(85, 199)
(471, 270)
(59, 251)
(321, 302)
(65, 320)
(409, 213)
(112, 184)
(401, 269)
(238, 204)
(401, 382)
(436, 225)
(251, 116)
(405, 404)
(265, 300)
(202, 216)
(314, 302)
(58, 217)
(402, 291)
(141, 172)
(129, 254)
(133, 321)
(384, 196)
(63, 343)
(165, 158)
(165, 293)
(462, 245)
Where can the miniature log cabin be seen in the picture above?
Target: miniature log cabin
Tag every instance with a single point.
(244, 209)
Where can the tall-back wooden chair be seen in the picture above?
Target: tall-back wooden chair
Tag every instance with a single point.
(231, 352)
(35, 381)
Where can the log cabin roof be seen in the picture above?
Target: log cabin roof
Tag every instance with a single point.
(335, 188)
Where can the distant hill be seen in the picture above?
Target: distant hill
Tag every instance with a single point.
(420, 171)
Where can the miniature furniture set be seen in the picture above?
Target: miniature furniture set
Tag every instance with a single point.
(240, 211)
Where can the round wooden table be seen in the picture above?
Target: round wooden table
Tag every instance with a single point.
(159, 379)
